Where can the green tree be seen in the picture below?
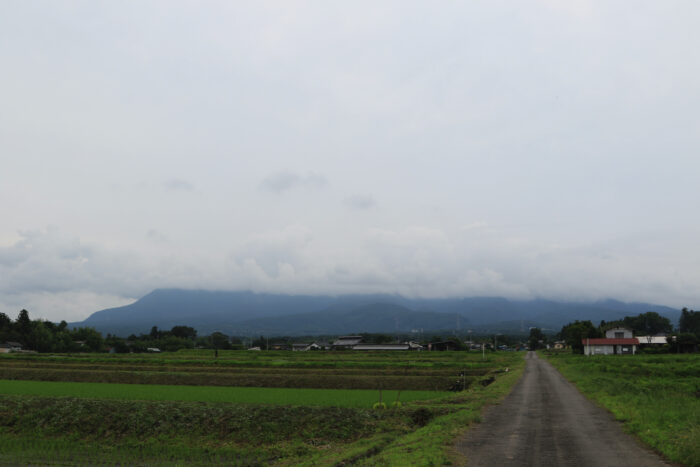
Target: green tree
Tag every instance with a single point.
(5, 322)
(574, 333)
(536, 340)
(220, 341)
(184, 332)
(689, 322)
(648, 324)
(93, 339)
(173, 344)
(23, 324)
(40, 338)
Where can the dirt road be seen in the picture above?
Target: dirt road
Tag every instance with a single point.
(545, 421)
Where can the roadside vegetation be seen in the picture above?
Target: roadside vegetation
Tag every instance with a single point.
(205, 424)
(657, 397)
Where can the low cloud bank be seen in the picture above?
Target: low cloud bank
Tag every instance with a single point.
(58, 276)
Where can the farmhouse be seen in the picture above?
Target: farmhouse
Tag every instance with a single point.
(617, 341)
(8, 347)
(558, 345)
(346, 342)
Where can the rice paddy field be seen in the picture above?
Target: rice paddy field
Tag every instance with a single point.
(245, 408)
(657, 397)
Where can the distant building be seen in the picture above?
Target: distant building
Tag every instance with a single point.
(279, 346)
(346, 342)
(304, 347)
(8, 347)
(414, 346)
(444, 345)
(652, 340)
(617, 341)
(381, 347)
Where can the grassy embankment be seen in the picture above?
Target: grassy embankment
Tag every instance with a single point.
(301, 432)
(657, 397)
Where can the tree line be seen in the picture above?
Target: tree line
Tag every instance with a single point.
(45, 336)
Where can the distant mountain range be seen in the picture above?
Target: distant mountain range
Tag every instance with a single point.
(248, 313)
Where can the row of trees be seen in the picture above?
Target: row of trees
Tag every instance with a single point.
(45, 336)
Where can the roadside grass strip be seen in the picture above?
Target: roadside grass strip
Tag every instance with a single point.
(359, 398)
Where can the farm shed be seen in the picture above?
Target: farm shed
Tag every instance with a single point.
(652, 340)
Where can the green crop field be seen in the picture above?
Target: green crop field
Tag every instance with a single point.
(657, 397)
(245, 408)
(245, 395)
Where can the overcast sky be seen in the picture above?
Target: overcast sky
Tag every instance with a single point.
(526, 149)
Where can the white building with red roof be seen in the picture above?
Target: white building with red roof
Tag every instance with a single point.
(617, 341)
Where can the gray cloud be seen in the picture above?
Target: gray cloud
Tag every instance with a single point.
(286, 180)
(505, 163)
(177, 184)
(360, 202)
(156, 236)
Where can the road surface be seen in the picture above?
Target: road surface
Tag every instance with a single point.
(546, 421)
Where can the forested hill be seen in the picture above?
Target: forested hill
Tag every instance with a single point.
(238, 313)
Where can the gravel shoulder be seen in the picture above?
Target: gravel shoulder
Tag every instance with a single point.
(546, 421)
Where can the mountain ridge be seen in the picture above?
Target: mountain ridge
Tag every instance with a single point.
(246, 312)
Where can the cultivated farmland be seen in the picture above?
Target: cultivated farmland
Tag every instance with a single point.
(313, 408)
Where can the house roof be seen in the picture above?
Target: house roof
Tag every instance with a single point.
(381, 347)
(604, 341)
(348, 340)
